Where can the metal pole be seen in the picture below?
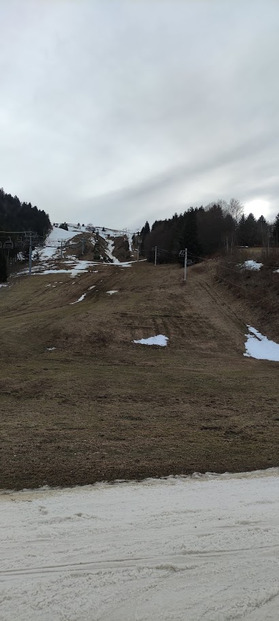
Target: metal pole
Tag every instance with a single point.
(30, 253)
(155, 256)
(185, 265)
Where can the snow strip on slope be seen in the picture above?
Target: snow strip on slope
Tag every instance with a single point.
(75, 267)
(56, 235)
(80, 299)
(110, 248)
(51, 248)
(260, 347)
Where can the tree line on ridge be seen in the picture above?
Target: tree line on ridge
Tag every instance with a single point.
(205, 231)
(17, 220)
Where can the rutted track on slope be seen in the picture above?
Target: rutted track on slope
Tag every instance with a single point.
(81, 402)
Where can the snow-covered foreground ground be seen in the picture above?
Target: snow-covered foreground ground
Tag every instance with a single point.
(178, 549)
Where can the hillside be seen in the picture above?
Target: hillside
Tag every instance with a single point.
(82, 402)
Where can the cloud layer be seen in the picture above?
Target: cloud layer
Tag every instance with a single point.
(118, 112)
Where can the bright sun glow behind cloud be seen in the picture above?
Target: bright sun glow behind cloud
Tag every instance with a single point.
(258, 207)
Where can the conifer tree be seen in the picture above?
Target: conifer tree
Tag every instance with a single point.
(3, 267)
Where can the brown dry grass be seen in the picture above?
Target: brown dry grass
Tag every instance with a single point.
(100, 407)
(258, 289)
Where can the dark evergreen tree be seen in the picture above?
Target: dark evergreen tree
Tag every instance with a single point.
(275, 232)
(211, 229)
(142, 236)
(17, 216)
(262, 232)
(63, 226)
(202, 231)
(247, 233)
(3, 267)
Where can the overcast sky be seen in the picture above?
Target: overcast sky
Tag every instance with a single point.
(116, 112)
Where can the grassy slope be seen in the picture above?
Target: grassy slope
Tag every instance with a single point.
(100, 407)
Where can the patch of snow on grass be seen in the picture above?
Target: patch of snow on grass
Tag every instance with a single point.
(81, 266)
(160, 339)
(52, 246)
(80, 299)
(51, 348)
(47, 253)
(112, 291)
(75, 228)
(252, 265)
(78, 268)
(44, 272)
(260, 347)
(105, 232)
(57, 235)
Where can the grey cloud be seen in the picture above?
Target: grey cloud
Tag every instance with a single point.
(129, 110)
(182, 173)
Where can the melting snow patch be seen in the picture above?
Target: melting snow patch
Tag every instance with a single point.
(252, 265)
(80, 267)
(37, 273)
(112, 291)
(160, 339)
(80, 299)
(260, 347)
(124, 264)
(75, 268)
(51, 348)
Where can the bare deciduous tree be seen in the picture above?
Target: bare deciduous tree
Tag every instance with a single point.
(235, 209)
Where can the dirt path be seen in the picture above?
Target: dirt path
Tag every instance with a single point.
(99, 407)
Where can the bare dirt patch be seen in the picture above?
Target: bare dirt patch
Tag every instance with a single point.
(99, 407)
